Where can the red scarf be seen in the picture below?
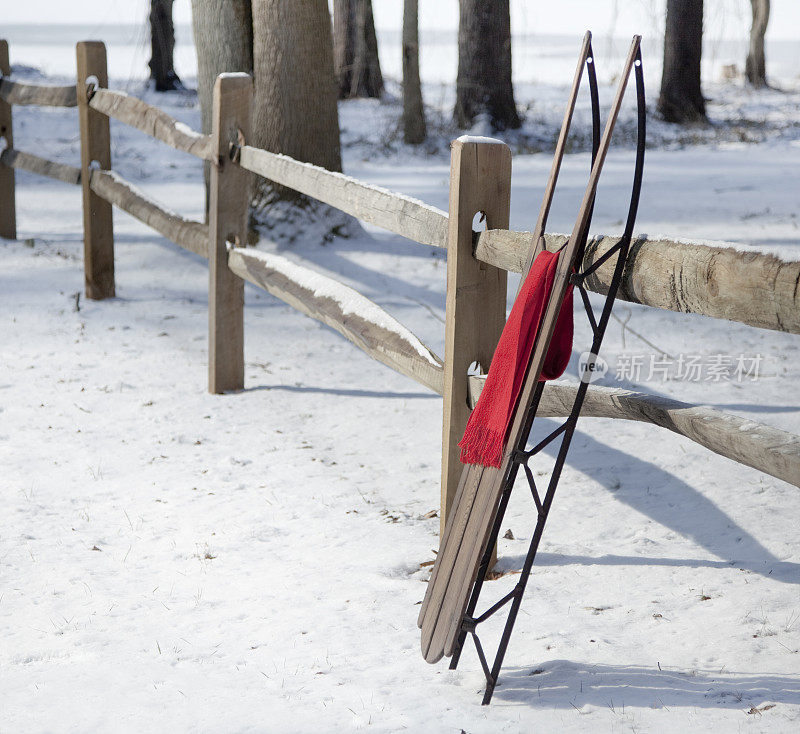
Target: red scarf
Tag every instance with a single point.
(489, 422)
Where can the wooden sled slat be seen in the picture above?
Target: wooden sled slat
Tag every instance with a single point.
(450, 550)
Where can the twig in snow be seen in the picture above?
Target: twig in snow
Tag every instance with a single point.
(638, 335)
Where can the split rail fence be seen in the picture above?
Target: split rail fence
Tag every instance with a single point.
(750, 288)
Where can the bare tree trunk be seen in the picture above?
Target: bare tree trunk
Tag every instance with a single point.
(681, 98)
(755, 68)
(295, 110)
(223, 38)
(414, 131)
(358, 68)
(162, 46)
(484, 84)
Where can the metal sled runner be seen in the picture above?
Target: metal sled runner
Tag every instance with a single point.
(448, 615)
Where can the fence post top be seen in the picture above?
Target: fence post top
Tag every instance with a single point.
(234, 80)
(477, 140)
(91, 44)
(483, 151)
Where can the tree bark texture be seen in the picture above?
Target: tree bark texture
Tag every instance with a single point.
(484, 84)
(358, 68)
(295, 110)
(755, 68)
(681, 99)
(414, 129)
(162, 47)
(223, 38)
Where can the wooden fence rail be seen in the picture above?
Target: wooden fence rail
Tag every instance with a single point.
(354, 316)
(748, 287)
(116, 190)
(152, 121)
(400, 214)
(721, 282)
(759, 446)
(17, 93)
(18, 159)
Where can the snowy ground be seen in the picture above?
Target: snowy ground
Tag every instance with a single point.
(172, 560)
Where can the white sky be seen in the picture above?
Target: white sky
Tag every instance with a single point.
(724, 18)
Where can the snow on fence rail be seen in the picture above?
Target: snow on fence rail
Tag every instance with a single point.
(754, 289)
(344, 309)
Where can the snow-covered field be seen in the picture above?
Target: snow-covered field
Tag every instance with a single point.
(176, 561)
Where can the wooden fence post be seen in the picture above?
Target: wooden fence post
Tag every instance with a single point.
(8, 207)
(98, 227)
(480, 181)
(229, 201)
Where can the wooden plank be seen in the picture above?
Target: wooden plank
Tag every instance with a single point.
(465, 570)
(400, 214)
(458, 522)
(188, 234)
(229, 201)
(152, 121)
(37, 94)
(480, 181)
(748, 442)
(8, 204)
(354, 316)
(41, 166)
(679, 275)
(451, 550)
(98, 226)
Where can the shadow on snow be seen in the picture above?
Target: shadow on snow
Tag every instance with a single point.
(568, 684)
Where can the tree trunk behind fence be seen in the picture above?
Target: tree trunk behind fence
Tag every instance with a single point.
(295, 109)
(755, 68)
(358, 68)
(484, 84)
(681, 98)
(223, 39)
(162, 46)
(413, 110)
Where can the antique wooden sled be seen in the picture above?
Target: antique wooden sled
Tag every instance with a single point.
(448, 610)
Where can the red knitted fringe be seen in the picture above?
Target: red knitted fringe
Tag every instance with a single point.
(482, 445)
